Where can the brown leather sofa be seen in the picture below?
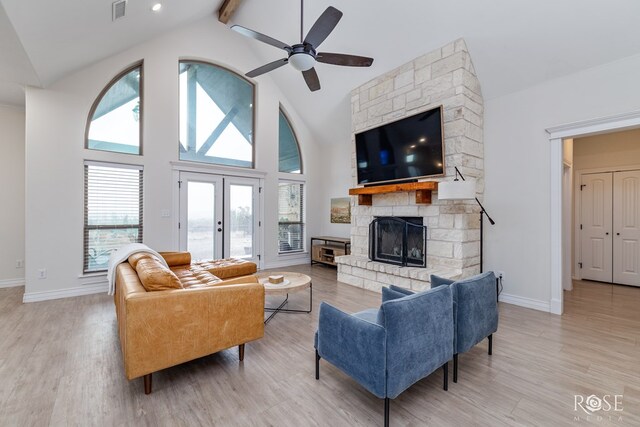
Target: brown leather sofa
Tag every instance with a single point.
(211, 306)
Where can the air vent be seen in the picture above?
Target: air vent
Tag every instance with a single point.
(118, 8)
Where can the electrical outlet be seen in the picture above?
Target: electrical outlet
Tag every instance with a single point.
(19, 263)
(42, 273)
(499, 274)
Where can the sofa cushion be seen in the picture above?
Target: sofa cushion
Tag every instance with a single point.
(174, 259)
(227, 268)
(154, 276)
(134, 258)
(192, 276)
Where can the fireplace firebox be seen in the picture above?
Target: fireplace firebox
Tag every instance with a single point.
(399, 241)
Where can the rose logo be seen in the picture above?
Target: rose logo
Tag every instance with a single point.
(593, 403)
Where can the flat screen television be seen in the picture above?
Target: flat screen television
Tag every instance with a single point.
(402, 150)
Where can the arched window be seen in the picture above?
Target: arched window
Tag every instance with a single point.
(114, 122)
(216, 115)
(288, 148)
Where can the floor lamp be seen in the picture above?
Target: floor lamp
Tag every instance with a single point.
(464, 190)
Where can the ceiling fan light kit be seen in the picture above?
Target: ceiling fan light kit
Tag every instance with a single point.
(303, 56)
(302, 61)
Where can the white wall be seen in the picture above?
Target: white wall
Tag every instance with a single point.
(55, 125)
(11, 195)
(337, 163)
(517, 166)
(608, 150)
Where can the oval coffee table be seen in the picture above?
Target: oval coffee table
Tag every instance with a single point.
(293, 282)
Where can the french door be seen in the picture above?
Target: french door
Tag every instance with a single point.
(219, 216)
(610, 227)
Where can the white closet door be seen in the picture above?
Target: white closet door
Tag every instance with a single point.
(596, 220)
(626, 226)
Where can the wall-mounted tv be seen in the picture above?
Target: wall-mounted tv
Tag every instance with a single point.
(405, 149)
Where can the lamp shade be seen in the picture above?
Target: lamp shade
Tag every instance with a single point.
(457, 190)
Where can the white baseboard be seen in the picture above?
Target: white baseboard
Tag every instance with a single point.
(11, 283)
(525, 302)
(94, 288)
(555, 306)
(287, 262)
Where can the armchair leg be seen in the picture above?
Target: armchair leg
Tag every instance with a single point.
(445, 370)
(490, 344)
(147, 384)
(386, 412)
(241, 352)
(455, 368)
(317, 365)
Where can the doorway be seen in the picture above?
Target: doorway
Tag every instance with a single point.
(560, 235)
(219, 216)
(609, 227)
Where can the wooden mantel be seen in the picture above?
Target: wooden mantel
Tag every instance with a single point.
(423, 191)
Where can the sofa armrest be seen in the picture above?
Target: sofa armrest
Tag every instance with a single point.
(354, 345)
(166, 328)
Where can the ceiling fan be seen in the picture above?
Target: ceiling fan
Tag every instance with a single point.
(304, 55)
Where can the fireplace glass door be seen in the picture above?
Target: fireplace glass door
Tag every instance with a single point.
(398, 241)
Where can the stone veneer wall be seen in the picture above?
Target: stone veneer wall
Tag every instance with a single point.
(442, 77)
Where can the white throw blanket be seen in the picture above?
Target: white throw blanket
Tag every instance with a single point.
(121, 255)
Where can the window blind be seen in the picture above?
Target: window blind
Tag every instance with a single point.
(291, 234)
(112, 211)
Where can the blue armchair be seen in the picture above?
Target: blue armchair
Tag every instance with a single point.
(387, 350)
(475, 311)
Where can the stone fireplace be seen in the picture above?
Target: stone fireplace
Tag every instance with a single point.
(443, 77)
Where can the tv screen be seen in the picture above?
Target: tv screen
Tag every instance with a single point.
(408, 148)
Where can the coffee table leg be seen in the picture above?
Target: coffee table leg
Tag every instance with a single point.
(275, 310)
(285, 310)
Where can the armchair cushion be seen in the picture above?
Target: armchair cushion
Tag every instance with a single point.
(390, 293)
(401, 290)
(372, 315)
(439, 281)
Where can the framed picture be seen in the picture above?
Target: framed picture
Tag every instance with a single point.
(341, 210)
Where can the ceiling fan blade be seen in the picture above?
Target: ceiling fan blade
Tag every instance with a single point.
(323, 26)
(311, 77)
(343, 59)
(266, 68)
(260, 37)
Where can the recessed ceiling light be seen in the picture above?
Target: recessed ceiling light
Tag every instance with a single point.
(156, 7)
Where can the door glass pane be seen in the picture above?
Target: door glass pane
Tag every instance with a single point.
(241, 221)
(201, 220)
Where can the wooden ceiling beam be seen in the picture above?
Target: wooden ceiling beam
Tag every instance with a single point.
(227, 9)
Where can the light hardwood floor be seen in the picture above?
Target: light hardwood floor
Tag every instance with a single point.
(60, 364)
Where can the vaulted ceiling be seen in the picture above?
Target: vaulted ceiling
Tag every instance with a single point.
(514, 44)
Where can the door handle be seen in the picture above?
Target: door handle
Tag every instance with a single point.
(617, 234)
(220, 229)
(605, 233)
